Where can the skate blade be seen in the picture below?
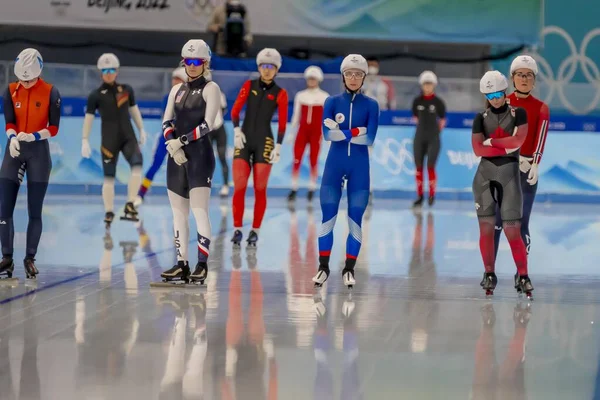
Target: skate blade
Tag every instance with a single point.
(14, 282)
(132, 219)
(174, 284)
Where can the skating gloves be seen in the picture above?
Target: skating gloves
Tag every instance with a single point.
(179, 157)
(275, 154)
(86, 150)
(25, 137)
(173, 146)
(143, 137)
(487, 142)
(239, 139)
(331, 124)
(524, 164)
(14, 147)
(533, 174)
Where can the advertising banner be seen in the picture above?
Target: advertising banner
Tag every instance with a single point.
(462, 21)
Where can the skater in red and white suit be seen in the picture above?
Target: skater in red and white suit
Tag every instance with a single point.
(308, 118)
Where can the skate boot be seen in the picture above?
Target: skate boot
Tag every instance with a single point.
(321, 276)
(517, 284)
(526, 286)
(7, 266)
(418, 202)
(252, 239)
(224, 192)
(130, 213)
(237, 238)
(348, 277)
(310, 195)
(489, 282)
(108, 219)
(200, 273)
(431, 200)
(179, 272)
(292, 195)
(30, 269)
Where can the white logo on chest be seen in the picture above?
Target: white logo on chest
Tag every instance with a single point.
(339, 118)
(196, 91)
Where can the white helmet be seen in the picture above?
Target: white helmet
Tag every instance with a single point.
(428, 77)
(28, 65)
(526, 62)
(196, 48)
(269, 56)
(492, 81)
(354, 61)
(180, 74)
(313, 72)
(108, 60)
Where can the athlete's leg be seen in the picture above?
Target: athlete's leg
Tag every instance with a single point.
(241, 173)
(497, 231)
(419, 151)
(178, 192)
(299, 146)
(433, 151)
(315, 148)
(221, 140)
(512, 212)
(110, 158)
(39, 165)
(261, 172)
(133, 155)
(160, 153)
(11, 176)
(331, 193)
(358, 199)
(529, 192)
(485, 206)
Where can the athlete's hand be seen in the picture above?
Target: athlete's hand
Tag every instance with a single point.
(14, 148)
(275, 154)
(331, 124)
(487, 142)
(179, 157)
(532, 178)
(524, 164)
(143, 137)
(25, 137)
(86, 150)
(173, 146)
(239, 139)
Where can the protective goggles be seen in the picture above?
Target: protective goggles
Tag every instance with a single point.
(268, 66)
(193, 61)
(109, 71)
(495, 95)
(354, 74)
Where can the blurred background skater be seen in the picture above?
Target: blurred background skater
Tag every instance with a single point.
(308, 120)
(498, 133)
(191, 114)
(160, 151)
(523, 71)
(230, 24)
(429, 112)
(351, 122)
(32, 114)
(255, 148)
(117, 106)
(218, 137)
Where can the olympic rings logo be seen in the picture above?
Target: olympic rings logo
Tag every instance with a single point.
(395, 156)
(568, 68)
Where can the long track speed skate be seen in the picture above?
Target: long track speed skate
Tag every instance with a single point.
(130, 213)
(526, 287)
(199, 274)
(31, 270)
(109, 217)
(348, 277)
(488, 283)
(252, 240)
(321, 277)
(237, 238)
(177, 276)
(7, 267)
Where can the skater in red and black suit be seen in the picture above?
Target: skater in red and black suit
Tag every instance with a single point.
(523, 70)
(255, 148)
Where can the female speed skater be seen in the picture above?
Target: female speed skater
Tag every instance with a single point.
(190, 116)
(308, 119)
(32, 114)
(255, 147)
(498, 133)
(160, 150)
(117, 106)
(523, 71)
(351, 120)
(430, 113)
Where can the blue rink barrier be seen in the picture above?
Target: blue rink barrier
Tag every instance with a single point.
(569, 171)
